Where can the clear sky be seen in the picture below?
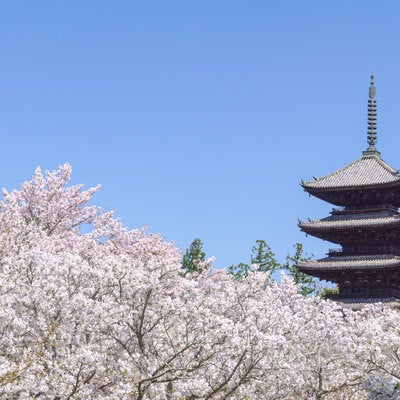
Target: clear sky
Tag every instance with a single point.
(199, 118)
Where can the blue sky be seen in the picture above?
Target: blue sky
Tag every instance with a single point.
(199, 118)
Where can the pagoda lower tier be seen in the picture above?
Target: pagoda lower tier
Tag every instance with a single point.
(359, 276)
(368, 263)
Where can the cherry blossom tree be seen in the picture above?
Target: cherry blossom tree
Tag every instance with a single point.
(91, 309)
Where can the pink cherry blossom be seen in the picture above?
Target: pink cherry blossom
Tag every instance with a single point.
(92, 310)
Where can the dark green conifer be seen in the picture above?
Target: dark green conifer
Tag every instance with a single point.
(194, 255)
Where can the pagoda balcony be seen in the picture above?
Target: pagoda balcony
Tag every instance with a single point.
(360, 293)
(363, 250)
(365, 208)
(384, 297)
(335, 252)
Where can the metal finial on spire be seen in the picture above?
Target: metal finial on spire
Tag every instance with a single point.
(372, 131)
(372, 90)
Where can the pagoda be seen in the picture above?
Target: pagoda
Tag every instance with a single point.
(366, 225)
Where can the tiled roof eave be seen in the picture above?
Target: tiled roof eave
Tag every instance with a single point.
(311, 187)
(350, 224)
(323, 267)
(368, 171)
(351, 263)
(358, 302)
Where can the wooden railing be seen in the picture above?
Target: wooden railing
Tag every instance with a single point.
(363, 250)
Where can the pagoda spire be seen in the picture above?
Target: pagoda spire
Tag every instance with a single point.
(372, 131)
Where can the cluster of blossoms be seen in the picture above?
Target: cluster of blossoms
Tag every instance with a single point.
(106, 313)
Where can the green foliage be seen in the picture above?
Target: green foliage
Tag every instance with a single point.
(240, 271)
(326, 291)
(193, 258)
(307, 283)
(262, 258)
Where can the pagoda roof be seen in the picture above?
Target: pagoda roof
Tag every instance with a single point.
(351, 221)
(363, 176)
(357, 302)
(351, 263)
(370, 170)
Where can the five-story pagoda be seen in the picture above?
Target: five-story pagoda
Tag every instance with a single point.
(366, 225)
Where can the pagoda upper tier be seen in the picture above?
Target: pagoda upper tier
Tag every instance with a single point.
(369, 180)
(377, 227)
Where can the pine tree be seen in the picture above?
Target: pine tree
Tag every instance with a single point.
(193, 258)
(307, 283)
(262, 258)
(240, 271)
